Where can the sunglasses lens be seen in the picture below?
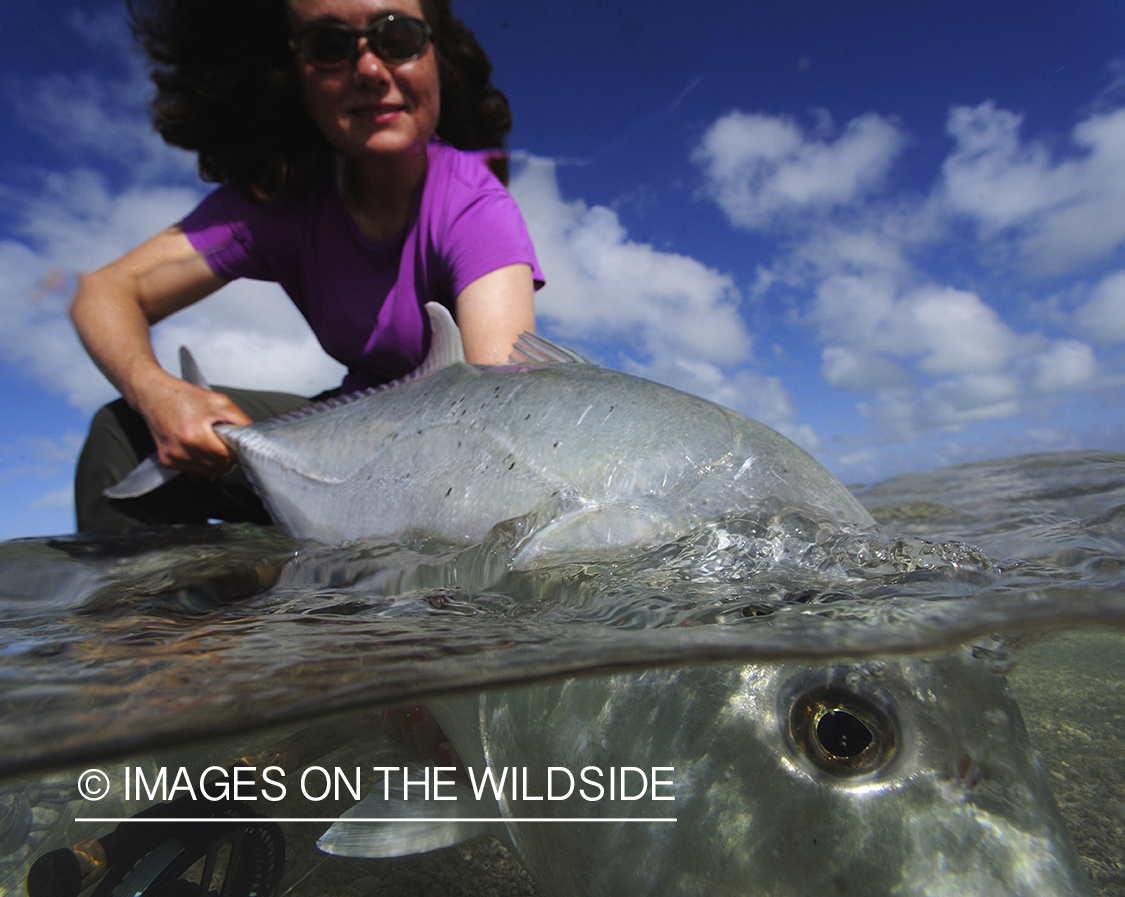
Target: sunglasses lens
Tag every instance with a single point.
(400, 39)
(327, 45)
(394, 39)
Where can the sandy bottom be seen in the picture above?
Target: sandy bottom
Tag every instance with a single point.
(1071, 691)
(481, 868)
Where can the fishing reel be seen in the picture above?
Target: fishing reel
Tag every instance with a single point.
(192, 858)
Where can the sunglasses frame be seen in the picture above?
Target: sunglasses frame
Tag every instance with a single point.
(370, 36)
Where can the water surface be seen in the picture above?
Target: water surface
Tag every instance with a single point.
(230, 639)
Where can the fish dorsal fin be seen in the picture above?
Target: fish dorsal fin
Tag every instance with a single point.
(189, 370)
(446, 347)
(531, 348)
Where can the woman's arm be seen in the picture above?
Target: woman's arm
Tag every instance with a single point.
(112, 312)
(493, 311)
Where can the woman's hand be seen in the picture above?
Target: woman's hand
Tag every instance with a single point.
(181, 416)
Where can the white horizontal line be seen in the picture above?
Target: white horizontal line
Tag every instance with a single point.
(260, 819)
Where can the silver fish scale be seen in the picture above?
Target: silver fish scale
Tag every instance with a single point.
(604, 459)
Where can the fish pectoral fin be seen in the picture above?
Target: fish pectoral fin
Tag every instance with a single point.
(530, 348)
(376, 827)
(594, 527)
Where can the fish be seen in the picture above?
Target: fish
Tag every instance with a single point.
(587, 460)
(902, 777)
(895, 778)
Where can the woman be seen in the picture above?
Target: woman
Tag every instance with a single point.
(319, 117)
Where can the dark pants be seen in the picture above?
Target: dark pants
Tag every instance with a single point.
(119, 440)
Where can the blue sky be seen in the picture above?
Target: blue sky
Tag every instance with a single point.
(894, 231)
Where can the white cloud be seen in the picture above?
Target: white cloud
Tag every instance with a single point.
(601, 284)
(1102, 317)
(948, 405)
(889, 341)
(861, 372)
(947, 331)
(935, 357)
(1063, 366)
(991, 175)
(759, 168)
(26, 456)
(1061, 214)
(955, 403)
(83, 223)
(88, 115)
(957, 332)
(922, 352)
(1048, 439)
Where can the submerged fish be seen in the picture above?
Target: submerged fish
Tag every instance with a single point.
(590, 459)
(900, 778)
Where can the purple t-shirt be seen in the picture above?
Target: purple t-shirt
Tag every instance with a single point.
(364, 299)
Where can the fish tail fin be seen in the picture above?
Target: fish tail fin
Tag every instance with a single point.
(377, 827)
(150, 473)
(142, 479)
(189, 370)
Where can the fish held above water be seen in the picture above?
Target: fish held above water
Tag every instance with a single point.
(587, 458)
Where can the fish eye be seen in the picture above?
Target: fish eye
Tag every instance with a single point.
(841, 732)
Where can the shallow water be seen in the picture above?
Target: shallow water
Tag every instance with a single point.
(202, 643)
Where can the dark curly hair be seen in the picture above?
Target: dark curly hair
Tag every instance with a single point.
(227, 89)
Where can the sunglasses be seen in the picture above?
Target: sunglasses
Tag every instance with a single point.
(394, 39)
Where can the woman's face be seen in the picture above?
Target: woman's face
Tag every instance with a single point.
(369, 107)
